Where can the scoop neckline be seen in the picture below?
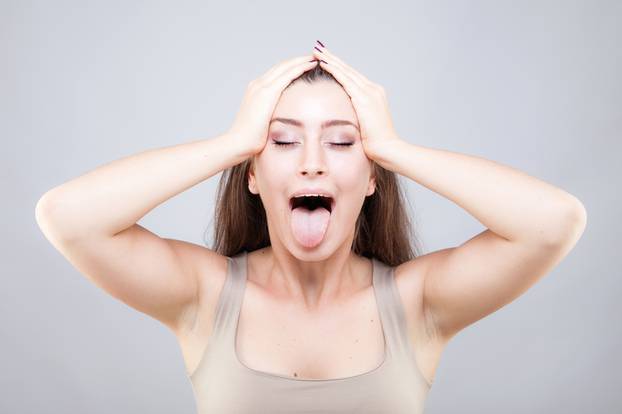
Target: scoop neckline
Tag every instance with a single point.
(253, 371)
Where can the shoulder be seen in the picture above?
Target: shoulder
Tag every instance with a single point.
(410, 280)
(211, 271)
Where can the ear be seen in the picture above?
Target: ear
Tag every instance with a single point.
(371, 187)
(252, 183)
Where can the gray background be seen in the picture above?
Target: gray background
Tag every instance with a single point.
(533, 84)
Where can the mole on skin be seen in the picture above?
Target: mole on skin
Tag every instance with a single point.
(295, 374)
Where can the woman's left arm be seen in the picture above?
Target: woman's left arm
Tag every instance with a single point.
(512, 204)
(531, 225)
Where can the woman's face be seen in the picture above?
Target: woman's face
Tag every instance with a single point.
(316, 158)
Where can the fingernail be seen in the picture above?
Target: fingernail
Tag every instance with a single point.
(317, 48)
(320, 43)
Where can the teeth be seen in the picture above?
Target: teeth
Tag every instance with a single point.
(311, 195)
(327, 201)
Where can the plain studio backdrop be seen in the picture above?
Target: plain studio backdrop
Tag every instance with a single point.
(531, 84)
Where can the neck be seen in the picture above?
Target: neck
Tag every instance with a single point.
(313, 284)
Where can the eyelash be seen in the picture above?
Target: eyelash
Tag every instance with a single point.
(344, 144)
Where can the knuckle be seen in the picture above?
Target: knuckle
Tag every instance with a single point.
(258, 86)
(262, 90)
(379, 89)
(263, 87)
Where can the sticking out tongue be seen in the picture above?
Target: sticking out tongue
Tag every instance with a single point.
(309, 226)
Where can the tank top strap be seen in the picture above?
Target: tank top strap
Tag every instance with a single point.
(230, 300)
(387, 296)
(390, 307)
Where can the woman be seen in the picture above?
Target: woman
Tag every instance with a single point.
(311, 300)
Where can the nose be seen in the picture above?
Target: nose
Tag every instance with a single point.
(312, 162)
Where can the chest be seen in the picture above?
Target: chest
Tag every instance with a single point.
(343, 341)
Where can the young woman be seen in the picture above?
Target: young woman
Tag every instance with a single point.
(311, 299)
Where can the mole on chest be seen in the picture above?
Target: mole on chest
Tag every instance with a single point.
(313, 356)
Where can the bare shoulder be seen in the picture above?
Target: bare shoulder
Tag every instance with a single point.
(410, 280)
(425, 340)
(211, 270)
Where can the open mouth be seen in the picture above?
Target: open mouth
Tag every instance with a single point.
(310, 218)
(312, 202)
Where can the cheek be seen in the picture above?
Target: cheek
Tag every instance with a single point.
(351, 173)
(271, 173)
(277, 164)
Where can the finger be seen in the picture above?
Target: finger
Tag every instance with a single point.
(283, 79)
(331, 57)
(337, 66)
(352, 87)
(333, 65)
(280, 65)
(284, 66)
(347, 68)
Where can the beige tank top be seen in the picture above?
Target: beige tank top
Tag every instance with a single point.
(222, 384)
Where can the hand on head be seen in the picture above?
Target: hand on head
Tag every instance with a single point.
(250, 127)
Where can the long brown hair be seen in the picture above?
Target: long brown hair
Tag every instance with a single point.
(383, 229)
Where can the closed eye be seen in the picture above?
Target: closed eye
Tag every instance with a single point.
(340, 144)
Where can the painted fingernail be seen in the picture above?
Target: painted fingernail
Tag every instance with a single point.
(320, 43)
(317, 48)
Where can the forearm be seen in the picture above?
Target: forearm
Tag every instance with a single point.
(509, 202)
(116, 195)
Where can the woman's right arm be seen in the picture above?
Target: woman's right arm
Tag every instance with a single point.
(91, 220)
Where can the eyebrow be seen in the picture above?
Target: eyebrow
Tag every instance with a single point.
(325, 124)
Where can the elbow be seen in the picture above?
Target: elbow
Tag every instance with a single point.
(44, 207)
(41, 209)
(45, 217)
(570, 223)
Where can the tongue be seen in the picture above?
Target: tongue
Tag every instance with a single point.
(309, 226)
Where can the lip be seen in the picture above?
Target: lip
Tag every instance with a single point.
(315, 190)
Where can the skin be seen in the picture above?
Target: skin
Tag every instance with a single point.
(330, 270)
(530, 224)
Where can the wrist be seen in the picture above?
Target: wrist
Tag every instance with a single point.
(235, 144)
(385, 151)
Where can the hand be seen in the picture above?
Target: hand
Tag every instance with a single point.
(369, 101)
(251, 124)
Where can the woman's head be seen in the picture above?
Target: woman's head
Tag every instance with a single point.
(253, 208)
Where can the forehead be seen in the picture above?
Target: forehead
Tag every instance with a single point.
(314, 103)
